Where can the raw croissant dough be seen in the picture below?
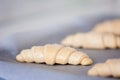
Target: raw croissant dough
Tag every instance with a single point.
(110, 68)
(112, 26)
(93, 40)
(51, 54)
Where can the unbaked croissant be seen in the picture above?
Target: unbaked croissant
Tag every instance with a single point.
(54, 53)
(92, 40)
(110, 68)
(112, 26)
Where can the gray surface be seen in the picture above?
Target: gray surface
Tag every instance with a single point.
(21, 15)
(12, 70)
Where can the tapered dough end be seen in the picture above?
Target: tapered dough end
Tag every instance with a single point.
(78, 58)
(98, 28)
(78, 40)
(27, 55)
(74, 40)
(107, 69)
(86, 61)
(103, 70)
(67, 41)
(75, 58)
(19, 58)
(92, 72)
(99, 70)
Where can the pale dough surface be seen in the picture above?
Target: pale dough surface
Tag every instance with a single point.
(54, 53)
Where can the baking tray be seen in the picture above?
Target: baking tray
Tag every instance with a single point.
(10, 69)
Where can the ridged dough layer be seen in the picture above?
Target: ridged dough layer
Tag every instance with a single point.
(54, 53)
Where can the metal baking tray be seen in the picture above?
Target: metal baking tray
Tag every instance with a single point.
(10, 69)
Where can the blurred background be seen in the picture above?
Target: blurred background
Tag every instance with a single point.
(27, 15)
